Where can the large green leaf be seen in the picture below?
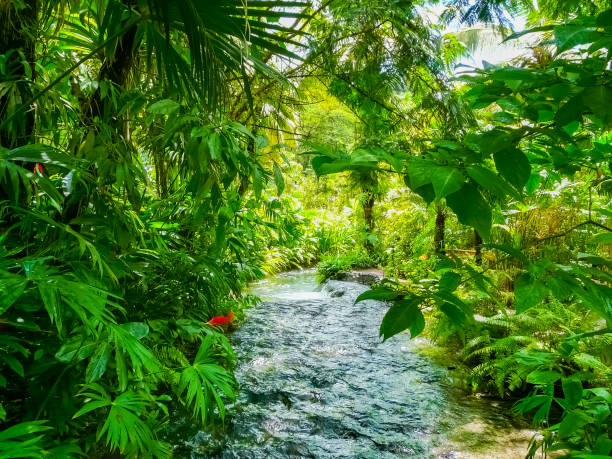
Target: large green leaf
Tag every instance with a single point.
(543, 377)
(449, 281)
(528, 292)
(44, 154)
(471, 209)
(456, 315)
(570, 112)
(492, 182)
(380, 293)
(572, 390)
(573, 421)
(569, 36)
(324, 165)
(419, 172)
(403, 315)
(445, 180)
(164, 107)
(513, 165)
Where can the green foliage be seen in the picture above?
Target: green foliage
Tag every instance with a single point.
(204, 380)
(139, 195)
(133, 208)
(333, 266)
(542, 292)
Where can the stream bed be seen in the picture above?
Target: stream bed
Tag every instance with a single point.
(317, 382)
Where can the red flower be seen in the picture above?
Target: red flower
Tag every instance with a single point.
(221, 320)
(38, 168)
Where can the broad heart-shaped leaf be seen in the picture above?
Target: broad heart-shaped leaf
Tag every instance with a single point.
(324, 165)
(471, 209)
(359, 160)
(403, 315)
(528, 292)
(278, 179)
(599, 100)
(568, 36)
(513, 165)
(454, 308)
(445, 180)
(378, 293)
(543, 377)
(419, 173)
(425, 191)
(164, 107)
(573, 421)
(572, 390)
(570, 112)
(492, 182)
(456, 315)
(449, 281)
(493, 141)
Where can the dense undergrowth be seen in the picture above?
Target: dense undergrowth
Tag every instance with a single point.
(156, 156)
(500, 240)
(523, 296)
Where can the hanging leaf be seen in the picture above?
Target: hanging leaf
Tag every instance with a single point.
(445, 180)
(513, 165)
(449, 281)
(529, 292)
(278, 179)
(403, 315)
(492, 182)
(572, 390)
(164, 107)
(378, 293)
(471, 209)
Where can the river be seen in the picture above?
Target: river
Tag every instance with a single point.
(317, 382)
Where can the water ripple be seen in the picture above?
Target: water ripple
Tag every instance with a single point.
(316, 381)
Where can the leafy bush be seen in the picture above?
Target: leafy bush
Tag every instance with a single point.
(333, 266)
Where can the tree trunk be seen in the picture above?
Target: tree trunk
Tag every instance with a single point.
(368, 207)
(244, 180)
(116, 70)
(477, 248)
(439, 231)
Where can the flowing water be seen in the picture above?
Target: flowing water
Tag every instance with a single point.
(316, 381)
